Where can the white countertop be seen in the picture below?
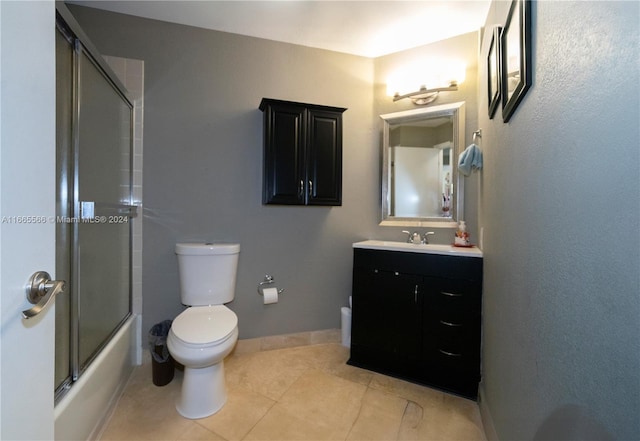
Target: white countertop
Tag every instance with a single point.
(446, 250)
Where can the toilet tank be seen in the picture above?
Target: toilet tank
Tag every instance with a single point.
(207, 272)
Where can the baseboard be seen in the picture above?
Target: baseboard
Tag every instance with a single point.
(287, 341)
(485, 414)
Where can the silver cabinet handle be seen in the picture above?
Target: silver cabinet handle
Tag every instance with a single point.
(451, 294)
(450, 324)
(41, 291)
(450, 354)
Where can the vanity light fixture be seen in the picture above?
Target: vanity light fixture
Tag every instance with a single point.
(423, 81)
(425, 96)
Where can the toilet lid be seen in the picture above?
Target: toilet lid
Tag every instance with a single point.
(204, 324)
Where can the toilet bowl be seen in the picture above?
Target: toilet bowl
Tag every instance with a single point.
(206, 331)
(200, 338)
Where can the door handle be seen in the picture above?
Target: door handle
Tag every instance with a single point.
(41, 291)
(90, 210)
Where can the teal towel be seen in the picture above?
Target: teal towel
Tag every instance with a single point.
(470, 160)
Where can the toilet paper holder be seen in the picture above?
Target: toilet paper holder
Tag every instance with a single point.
(268, 280)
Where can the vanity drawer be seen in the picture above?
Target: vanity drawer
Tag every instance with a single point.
(430, 265)
(452, 340)
(453, 296)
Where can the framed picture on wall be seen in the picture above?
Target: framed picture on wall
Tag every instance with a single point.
(493, 72)
(515, 51)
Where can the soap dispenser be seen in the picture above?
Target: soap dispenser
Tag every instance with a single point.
(462, 237)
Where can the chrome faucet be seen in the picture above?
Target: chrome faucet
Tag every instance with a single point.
(413, 237)
(425, 237)
(416, 238)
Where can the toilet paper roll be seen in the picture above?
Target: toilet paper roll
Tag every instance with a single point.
(270, 295)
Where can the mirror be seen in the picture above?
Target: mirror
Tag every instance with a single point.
(420, 183)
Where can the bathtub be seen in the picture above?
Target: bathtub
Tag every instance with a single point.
(85, 409)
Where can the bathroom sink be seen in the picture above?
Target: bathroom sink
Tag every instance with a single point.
(447, 250)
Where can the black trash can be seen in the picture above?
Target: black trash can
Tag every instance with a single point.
(162, 365)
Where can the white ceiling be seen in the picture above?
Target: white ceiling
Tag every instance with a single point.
(367, 28)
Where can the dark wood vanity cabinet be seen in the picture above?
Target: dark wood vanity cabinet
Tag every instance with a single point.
(302, 153)
(417, 316)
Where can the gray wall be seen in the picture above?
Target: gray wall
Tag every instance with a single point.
(560, 207)
(203, 164)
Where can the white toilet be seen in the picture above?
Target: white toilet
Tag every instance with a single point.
(206, 332)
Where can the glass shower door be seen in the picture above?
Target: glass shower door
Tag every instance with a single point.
(103, 207)
(93, 230)
(64, 204)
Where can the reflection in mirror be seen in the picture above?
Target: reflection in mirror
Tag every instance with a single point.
(419, 168)
(420, 185)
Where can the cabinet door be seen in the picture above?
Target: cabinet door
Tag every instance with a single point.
(284, 173)
(386, 322)
(324, 155)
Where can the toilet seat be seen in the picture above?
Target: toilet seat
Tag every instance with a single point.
(204, 325)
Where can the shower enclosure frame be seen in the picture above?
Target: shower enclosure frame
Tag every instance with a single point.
(70, 207)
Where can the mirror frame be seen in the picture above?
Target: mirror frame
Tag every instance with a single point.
(457, 112)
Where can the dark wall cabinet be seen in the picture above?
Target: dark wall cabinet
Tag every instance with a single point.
(302, 153)
(417, 316)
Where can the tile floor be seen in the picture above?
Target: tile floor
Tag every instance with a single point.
(297, 393)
